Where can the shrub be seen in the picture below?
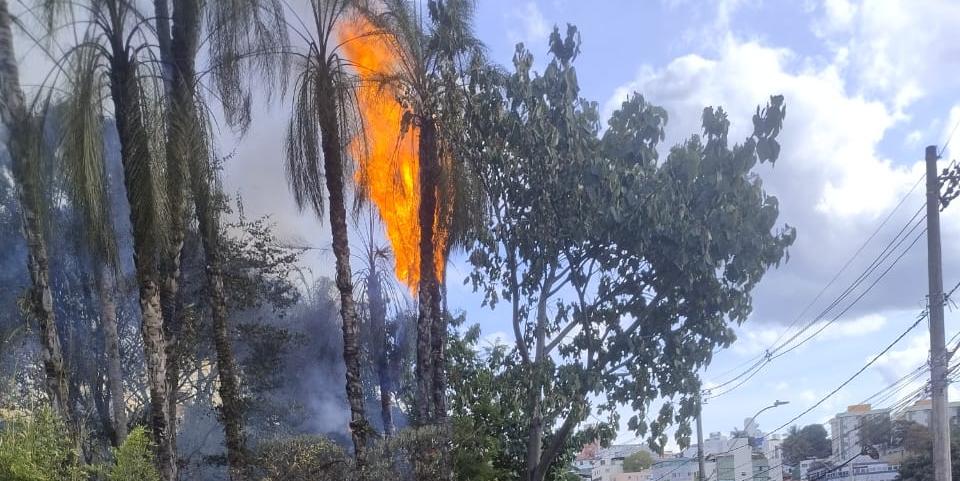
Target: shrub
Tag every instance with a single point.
(134, 459)
(38, 448)
(302, 458)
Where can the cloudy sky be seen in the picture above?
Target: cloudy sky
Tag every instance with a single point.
(867, 84)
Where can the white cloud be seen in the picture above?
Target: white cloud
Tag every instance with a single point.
(838, 15)
(951, 133)
(756, 339)
(495, 339)
(832, 181)
(829, 137)
(528, 24)
(899, 49)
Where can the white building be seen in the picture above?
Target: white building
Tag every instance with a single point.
(920, 412)
(844, 430)
(868, 470)
(805, 466)
(773, 451)
(715, 443)
(675, 469)
(606, 464)
(645, 475)
(606, 469)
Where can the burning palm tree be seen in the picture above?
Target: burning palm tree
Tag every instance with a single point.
(410, 74)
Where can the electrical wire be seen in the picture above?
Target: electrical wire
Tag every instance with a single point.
(778, 350)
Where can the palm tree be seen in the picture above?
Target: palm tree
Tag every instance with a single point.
(116, 39)
(375, 291)
(317, 136)
(82, 155)
(188, 146)
(23, 143)
(428, 81)
(428, 76)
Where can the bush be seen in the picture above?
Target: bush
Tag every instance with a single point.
(38, 448)
(302, 458)
(134, 459)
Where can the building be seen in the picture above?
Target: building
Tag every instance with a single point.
(844, 430)
(805, 467)
(604, 464)
(736, 462)
(675, 469)
(868, 470)
(645, 475)
(606, 469)
(715, 443)
(772, 448)
(920, 412)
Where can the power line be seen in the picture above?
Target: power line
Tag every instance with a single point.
(919, 319)
(776, 350)
(851, 259)
(949, 138)
(750, 373)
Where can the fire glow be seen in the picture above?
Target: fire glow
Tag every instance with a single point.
(387, 156)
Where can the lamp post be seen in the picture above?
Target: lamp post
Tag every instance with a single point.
(750, 421)
(776, 403)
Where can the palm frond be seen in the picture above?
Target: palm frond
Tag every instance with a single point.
(302, 146)
(82, 154)
(248, 39)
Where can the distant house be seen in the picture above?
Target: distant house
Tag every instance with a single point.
(594, 463)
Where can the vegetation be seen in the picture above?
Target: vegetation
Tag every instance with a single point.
(155, 332)
(919, 465)
(808, 442)
(637, 462)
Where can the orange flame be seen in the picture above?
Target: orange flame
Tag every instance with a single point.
(387, 156)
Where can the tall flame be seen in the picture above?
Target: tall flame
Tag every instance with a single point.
(387, 151)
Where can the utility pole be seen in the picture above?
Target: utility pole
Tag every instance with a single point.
(703, 470)
(940, 420)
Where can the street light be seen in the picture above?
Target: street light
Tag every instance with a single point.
(750, 440)
(776, 403)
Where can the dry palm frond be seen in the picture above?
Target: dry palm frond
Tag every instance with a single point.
(248, 41)
(82, 153)
(302, 146)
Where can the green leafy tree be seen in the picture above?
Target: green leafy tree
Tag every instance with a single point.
(805, 443)
(637, 462)
(913, 437)
(919, 467)
(876, 430)
(623, 271)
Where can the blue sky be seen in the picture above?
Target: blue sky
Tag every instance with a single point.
(867, 86)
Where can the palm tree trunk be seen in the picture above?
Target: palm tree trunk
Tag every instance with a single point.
(427, 288)
(111, 337)
(137, 170)
(333, 174)
(378, 321)
(17, 119)
(433, 315)
(190, 146)
(176, 205)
